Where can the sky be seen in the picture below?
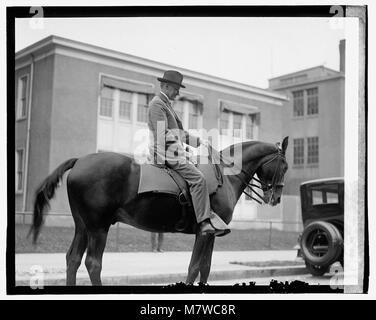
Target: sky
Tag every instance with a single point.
(247, 50)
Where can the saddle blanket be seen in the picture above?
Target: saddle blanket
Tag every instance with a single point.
(164, 180)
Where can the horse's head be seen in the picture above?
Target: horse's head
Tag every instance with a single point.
(271, 173)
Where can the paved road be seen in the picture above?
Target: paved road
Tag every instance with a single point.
(136, 268)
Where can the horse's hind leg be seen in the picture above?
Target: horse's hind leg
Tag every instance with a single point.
(96, 244)
(75, 253)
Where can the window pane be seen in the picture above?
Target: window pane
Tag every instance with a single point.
(298, 151)
(312, 101)
(237, 124)
(23, 87)
(19, 160)
(107, 102)
(298, 103)
(23, 107)
(317, 197)
(125, 110)
(313, 150)
(125, 105)
(194, 114)
(332, 197)
(22, 97)
(193, 121)
(325, 194)
(250, 126)
(19, 170)
(224, 122)
(179, 109)
(142, 108)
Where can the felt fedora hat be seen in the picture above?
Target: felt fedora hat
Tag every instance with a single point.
(173, 77)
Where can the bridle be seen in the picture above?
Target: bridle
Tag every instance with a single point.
(264, 186)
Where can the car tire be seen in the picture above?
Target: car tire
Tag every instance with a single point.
(321, 244)
(316, 271)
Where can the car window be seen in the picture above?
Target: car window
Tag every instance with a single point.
(332, 197)
(317, 197)
(324, 194)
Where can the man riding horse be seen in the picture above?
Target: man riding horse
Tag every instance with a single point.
(103, 189)
(166, 146)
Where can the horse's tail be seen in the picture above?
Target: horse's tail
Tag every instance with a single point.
(45, 192)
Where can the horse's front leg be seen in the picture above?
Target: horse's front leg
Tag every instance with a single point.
(206, 258)
(194, 265)
(201, 258)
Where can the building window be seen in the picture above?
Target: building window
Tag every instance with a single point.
(250, 126)
(298, 103)
(189, 113)
(125, 105)
(19, 169)
(107, 102)
(312, 101)
(142, 108)
(193, 116)
(237, 125)
(224, 122)
(298, 151)
(22, 97)
(313, 150)
(179, 109)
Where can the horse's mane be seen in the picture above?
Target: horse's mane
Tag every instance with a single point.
(258, 148)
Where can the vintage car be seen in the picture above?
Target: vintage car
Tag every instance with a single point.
(321, 242)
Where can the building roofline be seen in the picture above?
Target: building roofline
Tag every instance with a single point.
(308, 81)
(303, 70)
(74, 44)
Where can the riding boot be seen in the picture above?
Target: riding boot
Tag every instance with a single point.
(206, 227)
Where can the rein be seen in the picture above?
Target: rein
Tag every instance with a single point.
(251, 186)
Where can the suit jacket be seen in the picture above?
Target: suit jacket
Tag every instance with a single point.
(166, 132)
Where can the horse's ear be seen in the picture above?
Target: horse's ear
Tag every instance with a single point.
(284, 144)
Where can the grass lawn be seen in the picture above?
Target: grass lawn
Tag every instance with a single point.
(58, 239)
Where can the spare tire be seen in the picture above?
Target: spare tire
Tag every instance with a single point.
(321, 243)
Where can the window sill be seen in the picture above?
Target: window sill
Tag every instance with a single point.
(105, 118)
(312, 165)
(298, 118)
(125, 121)
(298, 166)
(141, 123)
(310, 116)
(19, 192)
(21, 119)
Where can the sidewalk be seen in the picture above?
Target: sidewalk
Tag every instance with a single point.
(139, 268)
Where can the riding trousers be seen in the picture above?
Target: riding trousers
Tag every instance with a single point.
(197, 188)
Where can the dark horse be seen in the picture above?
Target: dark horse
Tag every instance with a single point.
(102, 190)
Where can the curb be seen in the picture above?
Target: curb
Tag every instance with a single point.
(172, 278)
